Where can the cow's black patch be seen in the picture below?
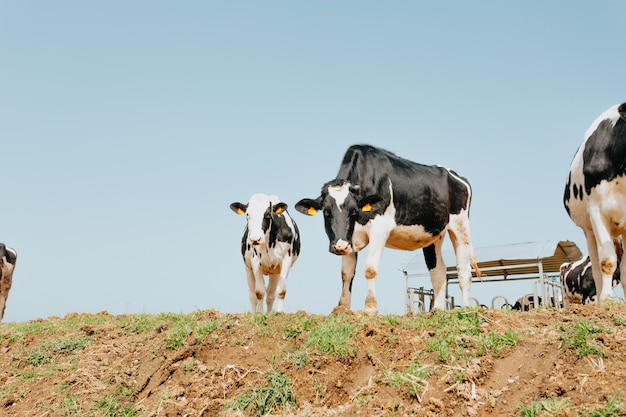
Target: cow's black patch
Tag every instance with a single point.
(577, 278)
(423, 195)
(604, 156)
(430, 256)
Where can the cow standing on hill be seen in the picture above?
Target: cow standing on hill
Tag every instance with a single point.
(8, 257)
(270, 245)
(383, 200)
(595, 195)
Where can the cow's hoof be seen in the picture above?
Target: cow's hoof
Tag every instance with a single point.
(371, 311)
(341, 310)
(606, 297)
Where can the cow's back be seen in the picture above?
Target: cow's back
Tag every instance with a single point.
(435, 190)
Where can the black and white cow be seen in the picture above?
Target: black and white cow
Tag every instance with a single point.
(383, 200)
(8, 257)
(526, 303)
(595, 194)
(270, 245)
(578, 283)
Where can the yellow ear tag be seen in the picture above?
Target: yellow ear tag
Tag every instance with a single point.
(367, 207)
(240, 211)
(279, 210)
(312, 211)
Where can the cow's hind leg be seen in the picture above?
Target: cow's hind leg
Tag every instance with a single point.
(595, 266)
(606, 258)
(459, 232)
(437, 269)
(5, 287)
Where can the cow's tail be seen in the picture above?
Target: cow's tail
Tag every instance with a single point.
(474, 264)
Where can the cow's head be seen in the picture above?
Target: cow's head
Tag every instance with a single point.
(260, 211)
(343, 207)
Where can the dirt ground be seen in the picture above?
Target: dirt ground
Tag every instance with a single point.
(119, 370)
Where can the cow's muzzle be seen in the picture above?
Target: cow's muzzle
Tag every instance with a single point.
(341, 247)
(256, 241)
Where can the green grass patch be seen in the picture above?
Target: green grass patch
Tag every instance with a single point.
(275, 397)
(494, 343)
(110, 406)
(185, 329)
(296, 326)
(48, 350)
(557, 407)
(334, 335)
(413, 378)
(580, 336)
(614, 408)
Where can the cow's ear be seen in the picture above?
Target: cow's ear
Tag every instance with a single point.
(371, 203)
(279, 208)
(308, 206)
(239, 208)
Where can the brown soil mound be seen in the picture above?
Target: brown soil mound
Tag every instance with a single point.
(557, 362)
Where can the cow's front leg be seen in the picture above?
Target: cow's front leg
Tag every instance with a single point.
(348, 269)
(272, 283)
(281, 290)
(374, 255)
(378, 235)
(253, 295)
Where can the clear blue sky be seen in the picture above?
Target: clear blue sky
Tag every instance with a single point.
(127, 129)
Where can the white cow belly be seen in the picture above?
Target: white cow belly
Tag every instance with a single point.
(609, 199)
(271, 259)
(409, 238)
(400, 237)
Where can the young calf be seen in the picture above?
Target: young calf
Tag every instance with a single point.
(8, 256)
(270, 246)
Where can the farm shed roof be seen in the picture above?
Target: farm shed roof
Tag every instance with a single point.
(506, 262)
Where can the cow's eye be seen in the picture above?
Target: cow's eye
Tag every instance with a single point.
(326, 213)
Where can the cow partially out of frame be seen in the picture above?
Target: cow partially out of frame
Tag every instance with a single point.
(383, 200)
(595, 195)
(270, 246)
(8, 257)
